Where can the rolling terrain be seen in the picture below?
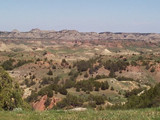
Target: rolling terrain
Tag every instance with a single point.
(91, 70)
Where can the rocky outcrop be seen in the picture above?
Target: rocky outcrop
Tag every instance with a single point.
(40, 105)
(53, 102)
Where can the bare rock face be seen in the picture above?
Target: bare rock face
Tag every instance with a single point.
(54, 101)
(40, 105)
(75, 35)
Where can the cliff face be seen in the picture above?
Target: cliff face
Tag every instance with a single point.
(75, 35)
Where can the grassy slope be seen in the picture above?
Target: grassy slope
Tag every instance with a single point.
(140, 114)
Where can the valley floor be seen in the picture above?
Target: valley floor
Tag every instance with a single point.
(140, 114)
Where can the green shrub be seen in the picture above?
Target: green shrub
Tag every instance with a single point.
(112, 74)
(50, 93)
(50, 72)
(50, 80)
(53, 67)
(99, 100)
(47, 102)
(124, 79)
(70, 100)
(149, 98)
(86, 75)
(112, 88)
(104, 85)
(10, 93)
(152, 70)
(48, 90)
(62, 90)
(32, 97)
(8, 64)
(133, 92)
(69, 83)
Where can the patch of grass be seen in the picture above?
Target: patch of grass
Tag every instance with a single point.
(140, 114)
(132, 48)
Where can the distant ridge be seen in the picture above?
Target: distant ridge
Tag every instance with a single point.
(75, 35)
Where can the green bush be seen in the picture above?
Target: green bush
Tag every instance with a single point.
(99, 100)
(149, 98)
(104, 85)
(112, 88)
(69, 83)
(50, 93)
(47, 102)
(50, 80)
(10, 93)
(62, 90)
(50, 72)
(32, 97)
(133, 92)
(152, 70)
(86, 75)
(46, 91)
(53, 67)
(70, 100)
(8, 64)
(124, 79)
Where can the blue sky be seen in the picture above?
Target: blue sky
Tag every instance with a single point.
(81, 15)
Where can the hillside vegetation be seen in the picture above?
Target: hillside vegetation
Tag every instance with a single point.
(148, 99)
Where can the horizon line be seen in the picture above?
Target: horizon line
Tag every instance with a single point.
(52, 30)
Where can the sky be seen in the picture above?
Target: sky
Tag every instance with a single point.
(82, 15)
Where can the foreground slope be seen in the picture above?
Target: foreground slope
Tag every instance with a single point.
(140, 114)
